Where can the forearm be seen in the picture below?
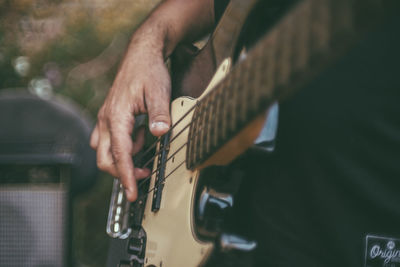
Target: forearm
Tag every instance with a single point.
(172, 22)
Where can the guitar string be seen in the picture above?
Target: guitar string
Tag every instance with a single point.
(216, 89)
(181, 131)
(148, 150)
(178, 149)
(163, 164)
(142, 182)
(154, 144)
(159, 182)
(163, 179)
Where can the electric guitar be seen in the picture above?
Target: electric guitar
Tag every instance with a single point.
(216, 125)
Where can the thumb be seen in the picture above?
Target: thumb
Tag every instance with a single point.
(158, 110)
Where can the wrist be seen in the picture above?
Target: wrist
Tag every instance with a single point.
(149, 38)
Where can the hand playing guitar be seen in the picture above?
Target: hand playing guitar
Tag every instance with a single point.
(143, 85)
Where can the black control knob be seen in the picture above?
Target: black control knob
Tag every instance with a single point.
(136, 246)
(212, 208)
(137, 243)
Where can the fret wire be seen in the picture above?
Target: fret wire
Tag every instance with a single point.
(203, 134)
(210, 122)
(217, 116)
(195, 126)
(221, 113)
(224, 110)
(204, 124)
(199, 128)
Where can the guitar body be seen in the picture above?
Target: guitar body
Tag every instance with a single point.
(170, 230)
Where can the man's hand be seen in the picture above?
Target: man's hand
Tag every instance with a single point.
(142, 86)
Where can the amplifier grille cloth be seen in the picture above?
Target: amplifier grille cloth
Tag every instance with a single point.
(32, 226)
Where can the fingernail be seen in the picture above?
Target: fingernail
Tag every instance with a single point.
(159, 125)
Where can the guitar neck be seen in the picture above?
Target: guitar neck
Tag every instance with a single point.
(311, 35)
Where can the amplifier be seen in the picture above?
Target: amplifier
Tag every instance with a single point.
(34, 216)
(45, 160)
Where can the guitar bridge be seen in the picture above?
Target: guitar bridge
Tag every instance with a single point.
(160, 173)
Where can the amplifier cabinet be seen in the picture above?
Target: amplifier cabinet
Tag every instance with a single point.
(34, 216)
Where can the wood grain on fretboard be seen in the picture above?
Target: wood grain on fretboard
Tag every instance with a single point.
(311, 35)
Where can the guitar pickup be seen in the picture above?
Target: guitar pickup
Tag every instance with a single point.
(160, 173)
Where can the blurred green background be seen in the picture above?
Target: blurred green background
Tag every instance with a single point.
(71, 48)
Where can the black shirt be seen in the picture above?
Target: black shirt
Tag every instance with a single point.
(331, 188)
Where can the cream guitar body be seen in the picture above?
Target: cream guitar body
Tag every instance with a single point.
(170, 230)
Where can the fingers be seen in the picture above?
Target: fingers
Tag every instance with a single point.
(121, 149)
(141, 173)
(117, 163)
(105, 160)
(112, 140)
(128, 97)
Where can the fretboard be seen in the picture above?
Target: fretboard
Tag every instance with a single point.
(309, 37)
